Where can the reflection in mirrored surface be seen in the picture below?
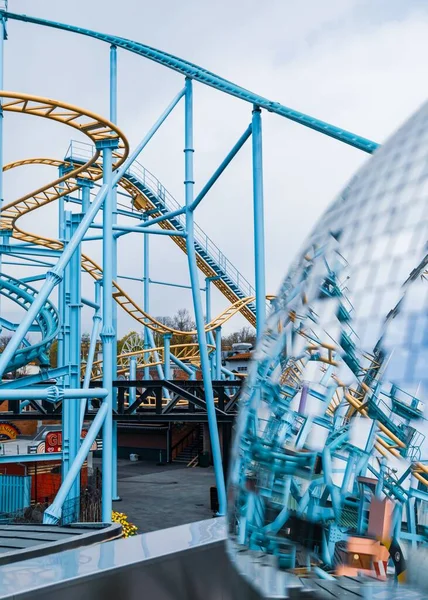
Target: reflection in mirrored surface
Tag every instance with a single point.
(330, 464)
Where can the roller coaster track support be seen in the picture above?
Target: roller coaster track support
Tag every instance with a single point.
(111, 145)
(197, 302)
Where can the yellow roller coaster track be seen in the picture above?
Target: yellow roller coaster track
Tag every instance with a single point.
(122, 298)
(188, 353)
(97, 129)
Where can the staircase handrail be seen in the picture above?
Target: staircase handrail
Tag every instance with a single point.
(177, 445)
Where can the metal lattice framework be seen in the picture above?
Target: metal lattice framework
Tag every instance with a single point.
(89, 176)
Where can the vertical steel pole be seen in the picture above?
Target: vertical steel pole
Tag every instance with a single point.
(218, 353)
(132, 377)
(197, 302)
(96, 319)
(61, 286)
(107, 335)
(146, 290)
(74, 361)
(167, 356)
(113, 119)
(210, 337)
(208, 299)
(85, 186)
(65, 359)
(259, 230)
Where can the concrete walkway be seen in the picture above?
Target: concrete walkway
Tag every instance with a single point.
(155, 497)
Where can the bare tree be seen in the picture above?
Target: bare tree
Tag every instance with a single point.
(245, 334)
(4, 340)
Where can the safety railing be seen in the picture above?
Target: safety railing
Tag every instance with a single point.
(189, 438)
(82, 151)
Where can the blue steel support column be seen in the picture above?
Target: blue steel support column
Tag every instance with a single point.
(218, 353)
(197, 302)
(66, 289)
(86, 185)
(167, 356)
(66, 426)
(96, 319)
(259, 230)
(74, 357)
(113, 119)
(146, 289)
(107, 333)
(132, 377)
(61, 290)
(208, 299)
(210, 337)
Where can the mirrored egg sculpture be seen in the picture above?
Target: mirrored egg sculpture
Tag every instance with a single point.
(329, 473)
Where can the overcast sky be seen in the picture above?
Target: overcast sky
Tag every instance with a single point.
(359, 64)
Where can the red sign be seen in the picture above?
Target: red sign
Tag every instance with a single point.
(53, 441)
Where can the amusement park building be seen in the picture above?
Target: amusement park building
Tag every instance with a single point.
(381, 222)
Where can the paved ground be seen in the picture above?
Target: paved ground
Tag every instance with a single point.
(157, 497)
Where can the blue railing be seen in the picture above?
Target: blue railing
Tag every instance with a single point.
(205, 246)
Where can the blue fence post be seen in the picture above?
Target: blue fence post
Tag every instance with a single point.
(197, 302)
(259, 230)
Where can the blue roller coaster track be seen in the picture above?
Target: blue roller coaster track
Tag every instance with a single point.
(47, 322)
(201, 75)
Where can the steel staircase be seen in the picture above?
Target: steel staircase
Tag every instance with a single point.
(191, 448)
(208, 252)
(154, 197)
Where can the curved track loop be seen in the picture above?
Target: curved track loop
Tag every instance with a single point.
(96, 128)
(47, 321)
(94, 172)
(142, 202)
(204, 76)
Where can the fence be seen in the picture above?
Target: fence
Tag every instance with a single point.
(15, 492)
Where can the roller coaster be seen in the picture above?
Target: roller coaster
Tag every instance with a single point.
(90, 176)
(106, 158)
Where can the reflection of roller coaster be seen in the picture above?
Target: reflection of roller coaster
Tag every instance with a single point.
(326, 444)
(107, 159)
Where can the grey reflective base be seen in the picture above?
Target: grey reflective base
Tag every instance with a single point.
(188, 562)
(20, 542)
